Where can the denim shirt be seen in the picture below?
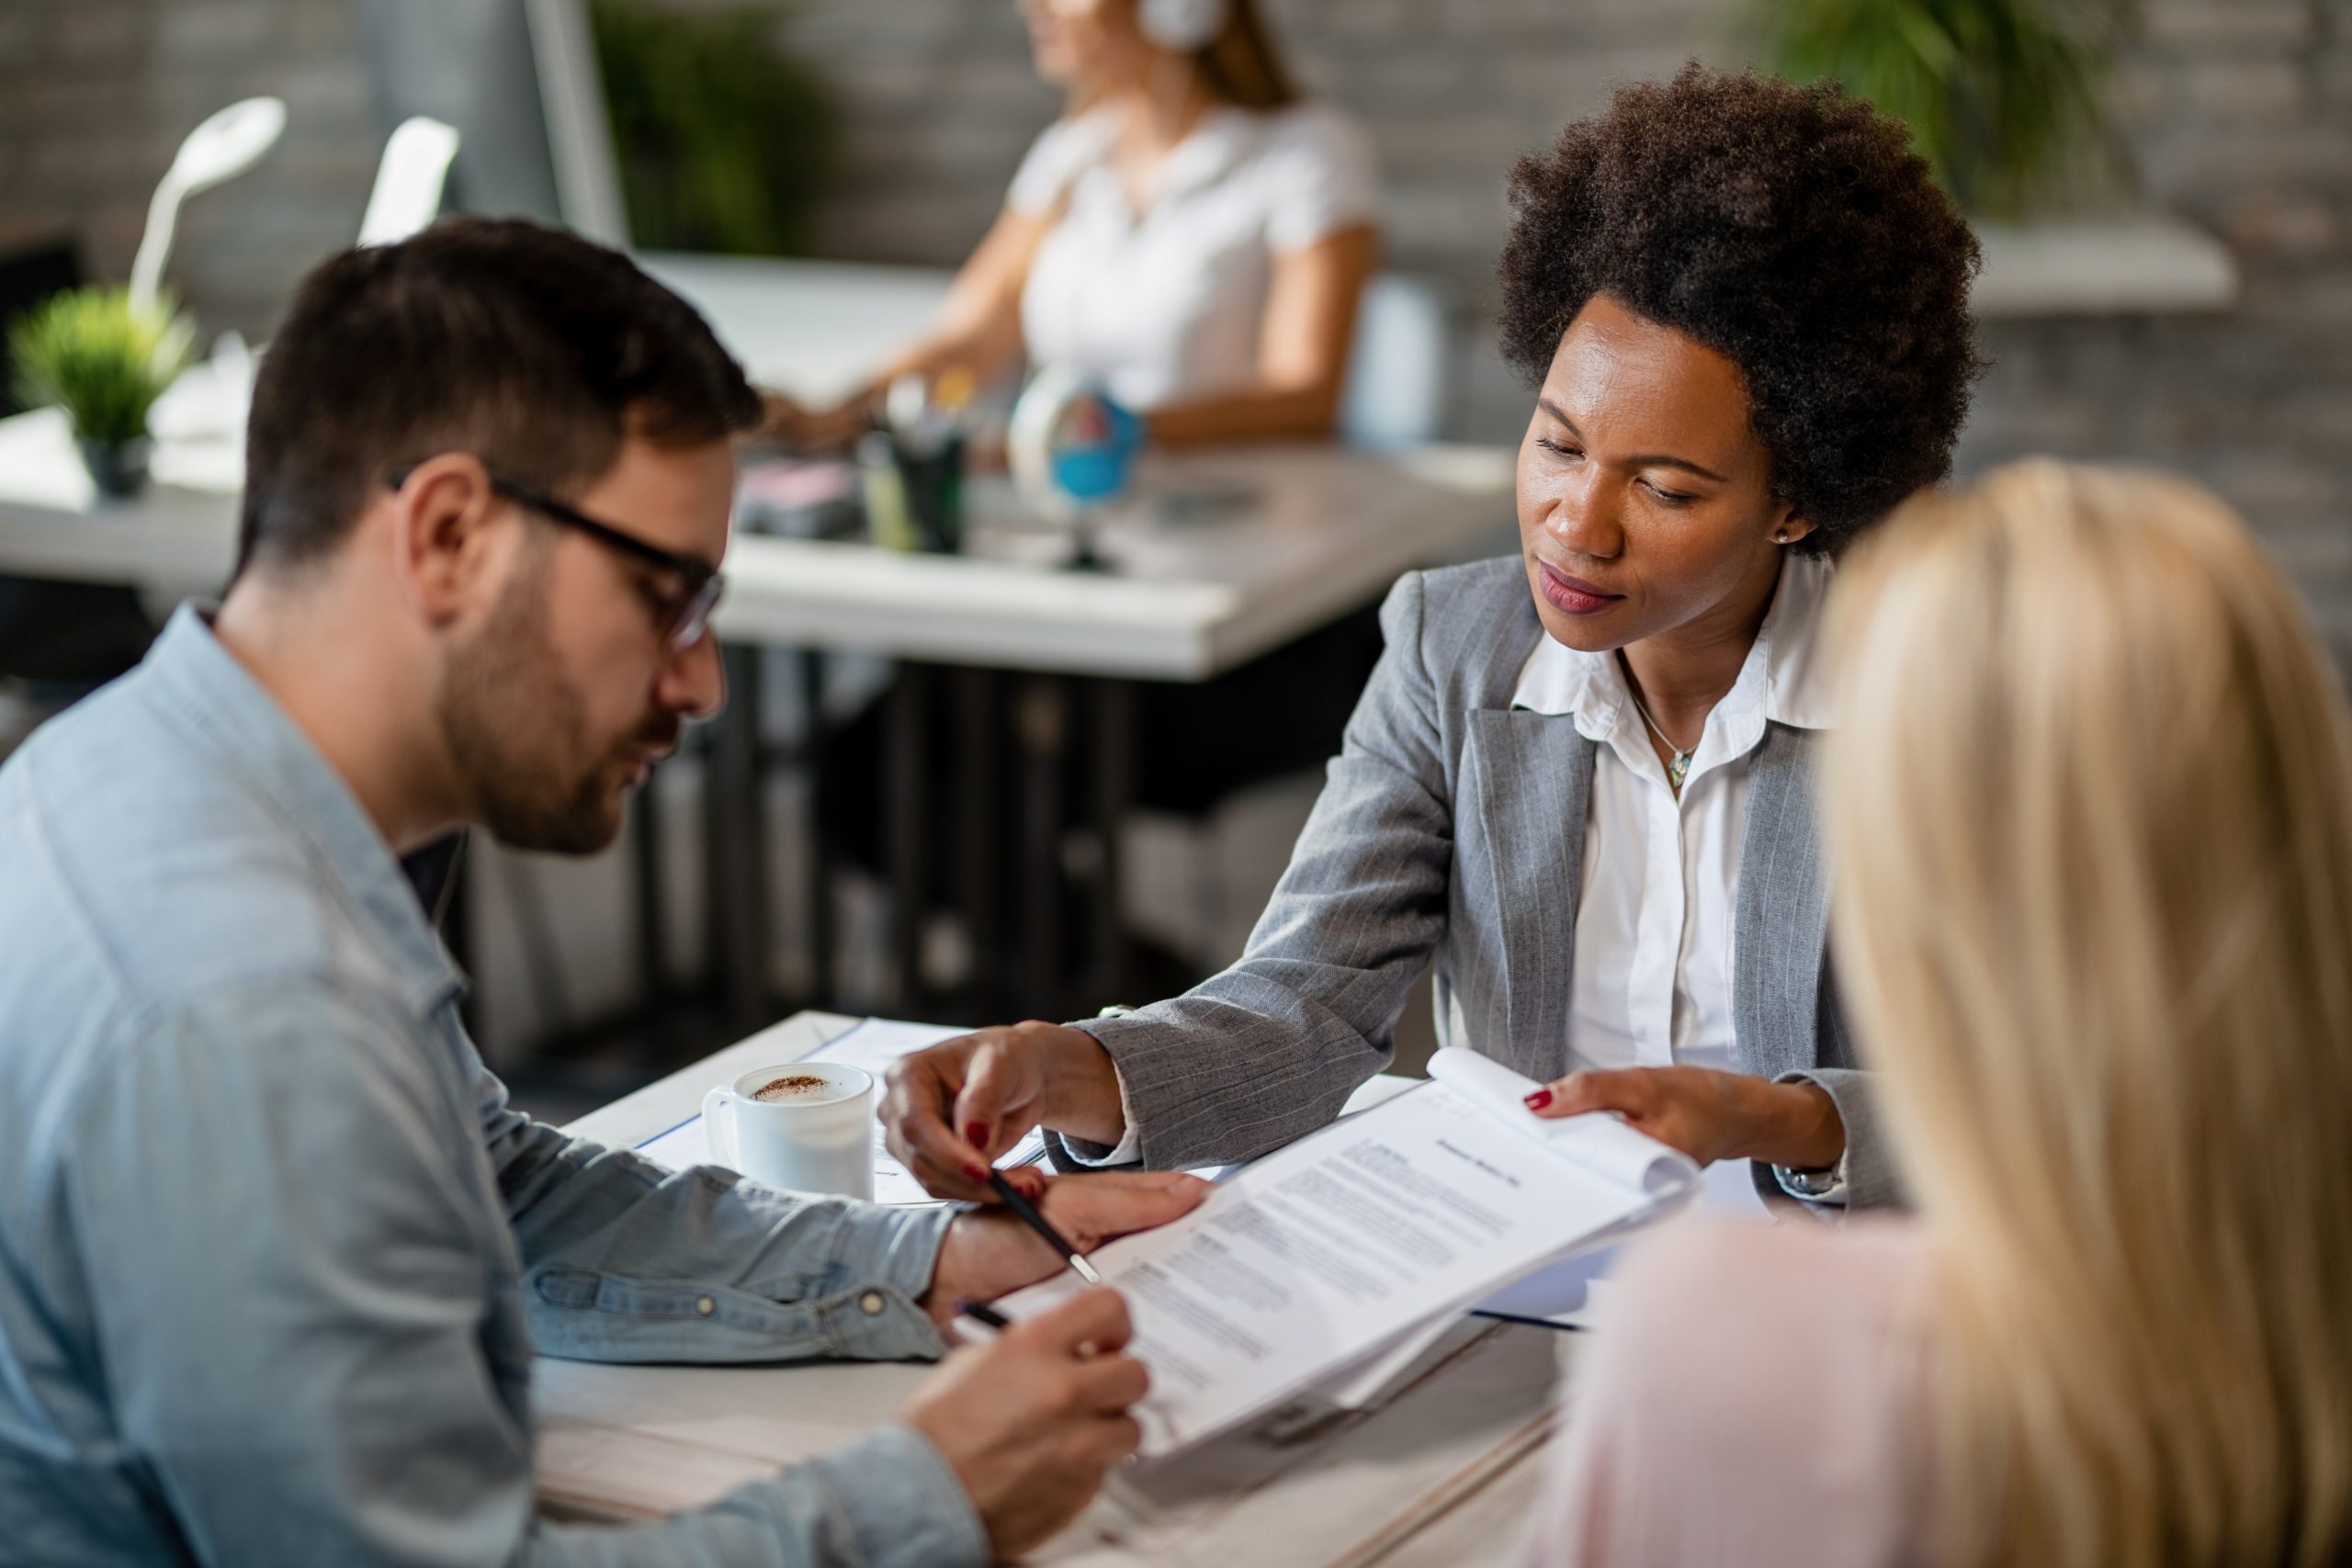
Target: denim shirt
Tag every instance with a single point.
(274, 1251)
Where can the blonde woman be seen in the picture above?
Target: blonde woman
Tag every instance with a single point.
(2090, 806)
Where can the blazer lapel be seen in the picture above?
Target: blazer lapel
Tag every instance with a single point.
(1525, 782)
(1782, 918)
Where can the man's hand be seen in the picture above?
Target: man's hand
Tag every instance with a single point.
(1031, 1421)
(951, 1110)
(1709, 1114)
(989, 1252)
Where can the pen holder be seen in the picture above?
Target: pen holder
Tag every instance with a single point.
(914, 491)
(932, 481)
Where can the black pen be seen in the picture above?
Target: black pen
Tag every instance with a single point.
(1028, 1215)
(980, 1312)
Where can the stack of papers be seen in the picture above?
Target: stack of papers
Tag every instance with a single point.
(1331, 1264)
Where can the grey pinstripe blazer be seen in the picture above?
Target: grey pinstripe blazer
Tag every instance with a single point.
(1450, 831)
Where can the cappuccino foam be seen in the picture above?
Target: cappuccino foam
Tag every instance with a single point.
(797, 1086)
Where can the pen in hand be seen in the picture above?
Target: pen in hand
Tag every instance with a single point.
(1028, 1215)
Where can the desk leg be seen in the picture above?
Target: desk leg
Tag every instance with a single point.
(1112, 743)
(816, 756)
(643, 826)
(907, 783)
(979, 866)
(1041, 727)
(735, 844)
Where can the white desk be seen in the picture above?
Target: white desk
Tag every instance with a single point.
(1444, 1475)
(1286, 539)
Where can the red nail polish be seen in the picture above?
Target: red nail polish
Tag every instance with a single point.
(977, 1135)
(1539, 1099)
(976, 1172)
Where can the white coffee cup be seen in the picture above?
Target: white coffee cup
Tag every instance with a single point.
(814, 1133)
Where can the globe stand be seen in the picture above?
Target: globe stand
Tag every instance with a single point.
(1084, 525)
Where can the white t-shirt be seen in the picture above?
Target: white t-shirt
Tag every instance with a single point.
(1167, 306)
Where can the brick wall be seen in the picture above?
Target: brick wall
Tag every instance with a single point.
(2237, 113)
(96, 94)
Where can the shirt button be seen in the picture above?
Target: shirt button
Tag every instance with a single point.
(704, 1305)
(871, 1303)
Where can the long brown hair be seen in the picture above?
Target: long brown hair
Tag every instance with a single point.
(1242, 66)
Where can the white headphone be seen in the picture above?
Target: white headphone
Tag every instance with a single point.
(1183, 26)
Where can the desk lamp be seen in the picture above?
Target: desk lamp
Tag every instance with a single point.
(224, 147)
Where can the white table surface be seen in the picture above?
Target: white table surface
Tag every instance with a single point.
(1222, 556)
(1442, 1474)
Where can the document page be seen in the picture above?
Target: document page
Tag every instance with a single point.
(1311, 1258)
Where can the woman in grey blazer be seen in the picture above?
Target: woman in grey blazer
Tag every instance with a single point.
(1580, 782)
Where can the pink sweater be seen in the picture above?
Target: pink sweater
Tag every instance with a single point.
(1754, 1397)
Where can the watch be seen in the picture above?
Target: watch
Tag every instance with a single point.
(1818, 1183)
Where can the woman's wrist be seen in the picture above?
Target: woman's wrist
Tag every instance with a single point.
(1082, 1090)
(1801, 1129)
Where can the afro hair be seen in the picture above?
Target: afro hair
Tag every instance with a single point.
(1790, 230)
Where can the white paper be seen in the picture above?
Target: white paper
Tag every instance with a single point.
(1567, 1294)
(873, 1044)
(1317, 1256)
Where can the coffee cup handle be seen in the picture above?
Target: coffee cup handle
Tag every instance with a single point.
(719, 1126)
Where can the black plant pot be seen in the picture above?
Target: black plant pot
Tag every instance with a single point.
(118, 468)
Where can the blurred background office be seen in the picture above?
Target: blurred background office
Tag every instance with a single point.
(2165, 195)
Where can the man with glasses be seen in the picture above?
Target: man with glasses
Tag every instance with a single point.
(274, 1251)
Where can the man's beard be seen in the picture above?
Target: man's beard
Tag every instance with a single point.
(518, 737)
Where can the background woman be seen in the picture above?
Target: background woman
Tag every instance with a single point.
(1579, 782)
(2090, 804)
(1191, 233)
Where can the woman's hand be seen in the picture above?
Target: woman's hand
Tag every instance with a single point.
(786, 422)
(1709, 1114)
(951, 1110)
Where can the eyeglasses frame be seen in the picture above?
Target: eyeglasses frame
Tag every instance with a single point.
(703, 581)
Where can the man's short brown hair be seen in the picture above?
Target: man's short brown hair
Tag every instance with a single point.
(529, 347)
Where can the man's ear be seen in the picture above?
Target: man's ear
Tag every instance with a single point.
(445, 553)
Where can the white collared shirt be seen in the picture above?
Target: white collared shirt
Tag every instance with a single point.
(1167, 305)
(1652, 984)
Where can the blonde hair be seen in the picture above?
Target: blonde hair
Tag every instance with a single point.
(2090, 810)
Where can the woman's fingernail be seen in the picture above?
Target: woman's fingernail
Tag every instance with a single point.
(976, 1172)
(1539, 1099)
(977, 1135)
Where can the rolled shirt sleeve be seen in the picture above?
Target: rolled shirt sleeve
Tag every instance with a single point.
(311, 1306)
(625, 1261)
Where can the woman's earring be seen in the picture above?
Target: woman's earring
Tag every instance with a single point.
(1781, 538)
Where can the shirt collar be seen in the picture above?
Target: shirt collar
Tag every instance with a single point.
(1215, 144)
(229, 712)
(1782, 681)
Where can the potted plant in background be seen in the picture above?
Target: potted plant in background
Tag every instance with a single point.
(2002, 97)
(726, 138)
(105, 360)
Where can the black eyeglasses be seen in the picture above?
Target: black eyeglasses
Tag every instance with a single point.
(684, 615)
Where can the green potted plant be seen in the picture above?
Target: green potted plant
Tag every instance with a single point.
(2003, 97)
(726, 138)
(104, 360)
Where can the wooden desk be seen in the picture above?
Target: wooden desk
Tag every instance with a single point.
(1441, 1475)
